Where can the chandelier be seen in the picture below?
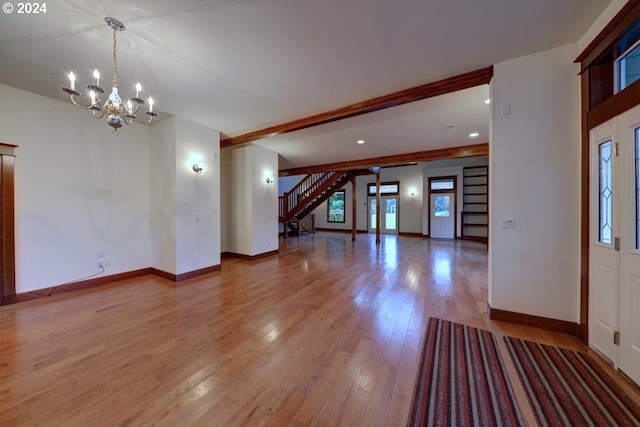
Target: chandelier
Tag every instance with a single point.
(118, 112)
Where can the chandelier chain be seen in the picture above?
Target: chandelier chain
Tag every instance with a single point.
(115, 59)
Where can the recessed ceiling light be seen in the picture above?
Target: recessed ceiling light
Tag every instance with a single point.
(488, 101)
(361, 141)
(473, 135)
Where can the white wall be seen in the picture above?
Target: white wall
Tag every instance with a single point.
(253, 216)
(534, 176)
(197, 196)
(79, 189)
(163, 196)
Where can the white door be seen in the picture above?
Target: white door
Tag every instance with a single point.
(628, 127)
(614, 293)
(604, 294)
(442, 221)
(388, 215)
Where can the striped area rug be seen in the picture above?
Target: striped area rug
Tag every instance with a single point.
(568, 388)
(462, 380)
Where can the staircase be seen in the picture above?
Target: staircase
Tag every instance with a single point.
(307, 195)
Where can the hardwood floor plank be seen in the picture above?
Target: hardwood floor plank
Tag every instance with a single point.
(327, 332)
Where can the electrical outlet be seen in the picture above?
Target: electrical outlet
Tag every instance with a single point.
(100, 254)
(197, 258)
(100, 263)
(107, 262)
(507, 222)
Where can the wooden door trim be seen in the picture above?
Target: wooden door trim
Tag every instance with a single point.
(455, 200)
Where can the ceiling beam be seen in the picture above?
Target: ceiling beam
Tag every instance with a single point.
(397, 159)
(441, 87)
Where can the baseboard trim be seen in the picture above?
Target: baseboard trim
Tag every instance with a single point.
(250, 257)
(340, 230)
(407, 234)
(188, 275)
(582, 332)
(549, 324)
(82, 284)
(90, 283)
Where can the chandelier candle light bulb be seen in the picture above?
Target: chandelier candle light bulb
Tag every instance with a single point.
(118, 112)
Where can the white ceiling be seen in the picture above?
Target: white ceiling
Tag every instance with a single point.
(241, 65)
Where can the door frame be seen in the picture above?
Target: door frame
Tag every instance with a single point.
(455, 200)
(386, 196)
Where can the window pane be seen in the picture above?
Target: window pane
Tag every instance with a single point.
(442, 184)
(373, 213)
(606, 192)
(442, 206)
(637, 192)
(384, 189)
(629, 68)
(336, 207)
(390, 215)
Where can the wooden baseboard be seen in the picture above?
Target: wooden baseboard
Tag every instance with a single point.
(83, 284)
(184, 276)
(555, 325)
(250, 257)
(90, 283)
(404, 233)
(475, 238)
(340, 230)
(582, 332)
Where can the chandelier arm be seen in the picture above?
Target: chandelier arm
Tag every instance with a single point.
(94, 112)
(79, 105)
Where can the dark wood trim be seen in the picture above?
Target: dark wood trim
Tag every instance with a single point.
(7, 224)
(480, 239)
(251, 257)
(555, 325)
(585, 81)
(371, 185)
(397, 159)
(455, 200)
(407, 234)
(614, 105)
(354, 216)
(611, 33)
(184, 276)
(339, 230)
(598, 105)
(83, 284)
(441, 87)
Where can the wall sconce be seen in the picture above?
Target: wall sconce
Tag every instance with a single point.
(198, 167)
(269, 180)
(412, 192)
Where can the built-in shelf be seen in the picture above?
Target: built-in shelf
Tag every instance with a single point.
(475, 203)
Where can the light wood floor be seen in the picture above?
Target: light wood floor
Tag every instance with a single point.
(326, 333)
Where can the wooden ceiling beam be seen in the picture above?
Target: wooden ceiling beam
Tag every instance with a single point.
(397, 159)
(441, 87)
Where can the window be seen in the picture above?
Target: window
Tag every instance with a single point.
(386, 189)
(605, 161)
(335, 207)
(628, 67)
(442, 184)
